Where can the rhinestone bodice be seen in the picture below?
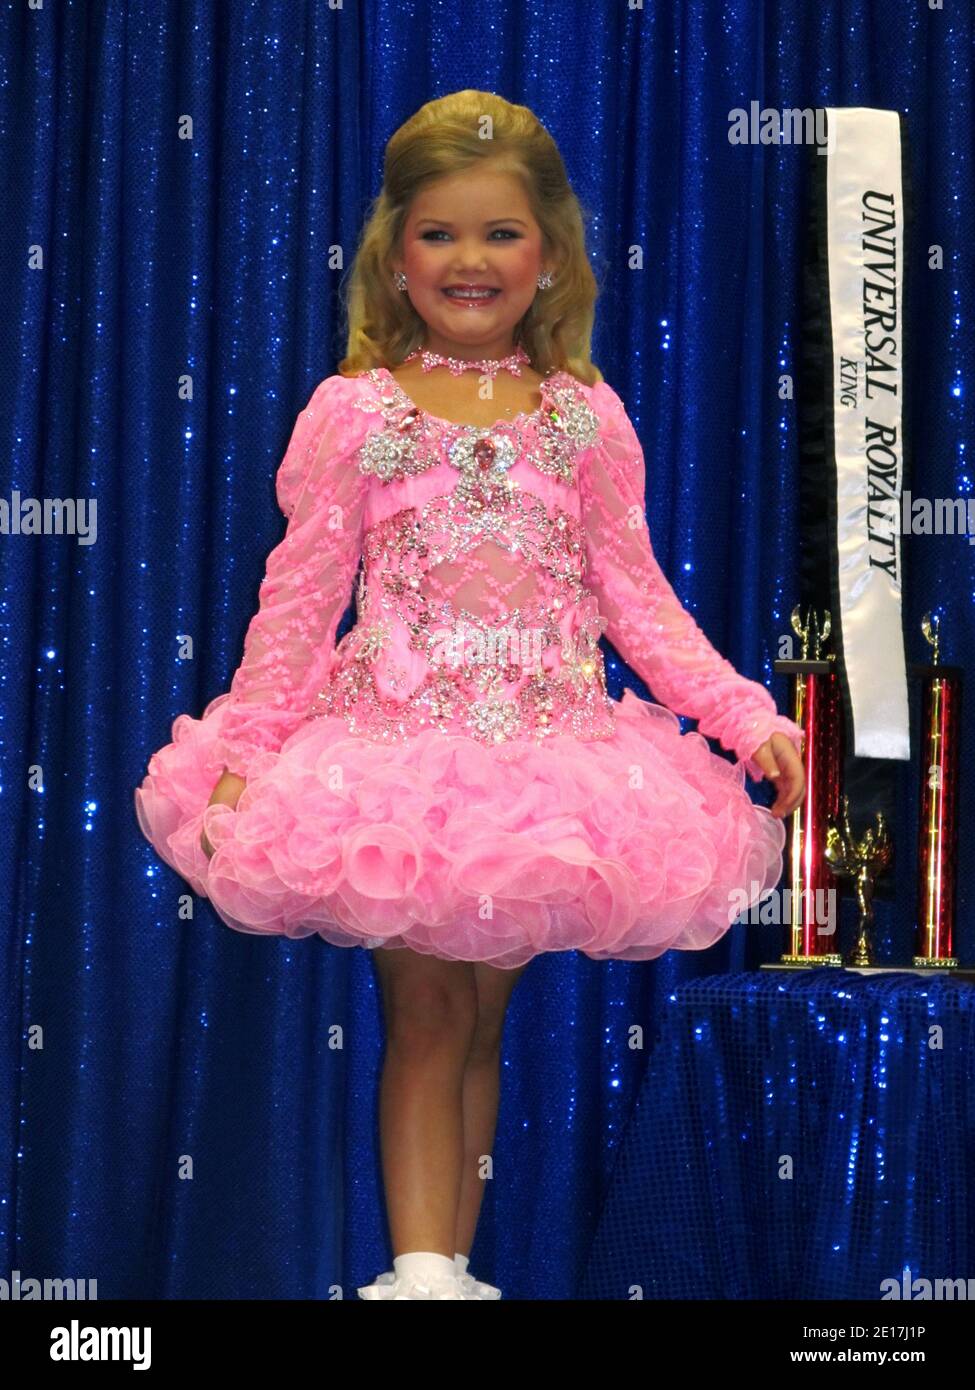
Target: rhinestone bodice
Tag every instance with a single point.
(472, 611)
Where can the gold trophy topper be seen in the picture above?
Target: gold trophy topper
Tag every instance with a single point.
(813, 638)
(930, 627)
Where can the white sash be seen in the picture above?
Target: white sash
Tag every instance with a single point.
(864, 223)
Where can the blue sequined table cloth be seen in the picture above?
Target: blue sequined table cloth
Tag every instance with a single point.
(797, 1136)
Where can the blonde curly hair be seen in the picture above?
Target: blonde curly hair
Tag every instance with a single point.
(444, 137)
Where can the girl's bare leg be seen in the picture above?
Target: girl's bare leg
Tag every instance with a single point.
(481, 1092)
(430, 1007)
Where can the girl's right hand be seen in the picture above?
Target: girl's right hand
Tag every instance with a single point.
(225, 793)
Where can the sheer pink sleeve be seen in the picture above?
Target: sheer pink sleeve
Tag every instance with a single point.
(646, 623)
(290, 642)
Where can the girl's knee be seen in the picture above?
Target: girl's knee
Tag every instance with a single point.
(487, 1035)
(431, 1007)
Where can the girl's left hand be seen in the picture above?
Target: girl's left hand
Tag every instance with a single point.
(780, 762)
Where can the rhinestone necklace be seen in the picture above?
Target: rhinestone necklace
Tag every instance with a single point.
(488, 366)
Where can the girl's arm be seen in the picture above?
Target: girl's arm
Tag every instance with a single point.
(646, 622)
(289, 645)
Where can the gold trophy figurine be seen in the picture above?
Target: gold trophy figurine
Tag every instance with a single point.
(813, 639)
(862, 860)
(930, 626)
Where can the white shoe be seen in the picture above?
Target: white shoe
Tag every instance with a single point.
(434, 1286)
(468, 1283)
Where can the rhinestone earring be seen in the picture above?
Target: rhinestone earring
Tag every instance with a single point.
(400, 280)
(545, 280)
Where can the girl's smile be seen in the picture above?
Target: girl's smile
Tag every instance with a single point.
(471, 296)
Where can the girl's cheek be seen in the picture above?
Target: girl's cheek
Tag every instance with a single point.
(523, 264)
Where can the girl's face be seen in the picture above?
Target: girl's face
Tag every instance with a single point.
(471, 230)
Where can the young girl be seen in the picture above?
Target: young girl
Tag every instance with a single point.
(451, 786)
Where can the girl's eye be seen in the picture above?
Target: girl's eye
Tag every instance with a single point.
(439, 231)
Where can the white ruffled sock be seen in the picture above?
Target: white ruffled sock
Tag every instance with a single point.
(422, 1264)
(460, 1263)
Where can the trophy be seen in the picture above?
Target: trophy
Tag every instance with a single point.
(862, 860)
(938, 821)
(816, 706)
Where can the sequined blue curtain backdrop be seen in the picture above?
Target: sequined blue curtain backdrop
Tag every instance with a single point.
(188, 1111)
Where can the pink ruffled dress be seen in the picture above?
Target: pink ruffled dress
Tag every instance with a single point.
(452, 776)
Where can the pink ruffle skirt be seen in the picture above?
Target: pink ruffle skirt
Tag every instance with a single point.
(621, 848)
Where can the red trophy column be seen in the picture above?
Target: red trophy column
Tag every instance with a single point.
(938, 819)
(817, 707)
